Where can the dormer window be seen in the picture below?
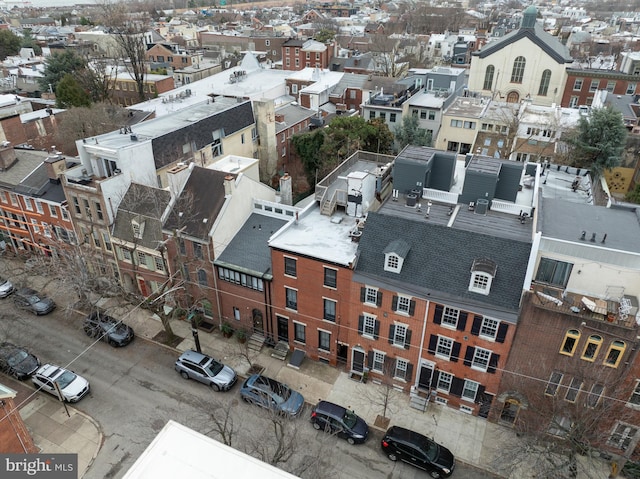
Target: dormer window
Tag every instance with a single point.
(138, 229)
(483, 271)
(395, 254)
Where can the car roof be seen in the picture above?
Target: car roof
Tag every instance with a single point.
(194, 357)
(50, 371)
(27, 291)
(404, 434)
(330, 408)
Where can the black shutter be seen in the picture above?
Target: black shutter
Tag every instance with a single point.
(456, 386)
(433, 341)
(468, 357)
(363, 294)
(392, 332)
(407, 339)
(394, 302)
(455, 351)
(376, 329)
(379, 299)
(412, 307)
(434, 379)
(477, 323)
(437, 315)
(370, 359)
(409, 376)
(479, 393)
(360, 324)
(502, 332)
(462, 320)
(493, 363)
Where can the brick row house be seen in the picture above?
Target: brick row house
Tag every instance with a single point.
(299, 54)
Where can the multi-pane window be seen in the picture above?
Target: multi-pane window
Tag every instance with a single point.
(570, 342)
(14, 200)
(622, 435)
(159, 263)
(99, 213)
(324, 340)
(53, 211)
(393, 261)
(142, 258)
(518, 70)
(635, 395)
(594, 85)
(489, 328)
(592, 347)
(330, 277)
(553, 272)
(378, 361)
(291, 298)
(573, 390)
(290, 266)
(369, 326)
(631, 89)
(329, 310)
(480, 283)
(577, 84)
(399, 335)
(105, 237)
(444, 381)
(554, 382)
(402, 366)
(470, 390)
(404, 304)
(28, 205)
(488, 77)
(614, 355)
(611, 85)
(594, 395)
(126, 254)
(371, 295)
(544, 83)
(450, 316)
(245, 280)
(137, 231)
(39, 207)
(299, 332)
(481, 359)
(444, 347)
(197, 250)
(202, 277)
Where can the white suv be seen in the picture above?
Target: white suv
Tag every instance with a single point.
(72, 387)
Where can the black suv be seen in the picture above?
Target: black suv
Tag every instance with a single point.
(337, 420)
(417, 450)
(102, 326)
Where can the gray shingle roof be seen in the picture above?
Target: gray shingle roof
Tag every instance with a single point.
(248, 251)
(438, 265)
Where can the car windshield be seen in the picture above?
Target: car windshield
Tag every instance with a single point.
(214, 368)
(65, 379)
(349, 419)
(17, 357)
(431, 450)
(33, 299)
(281, 392)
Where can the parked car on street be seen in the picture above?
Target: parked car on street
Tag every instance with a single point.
(16, 361)
(418, 450)
(340, 421)
(102, 326)
(72, 386)
(30, 299)
(205, 369)
(6, 288)
(271, 394)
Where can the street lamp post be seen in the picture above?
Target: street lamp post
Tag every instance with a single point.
(194, 330)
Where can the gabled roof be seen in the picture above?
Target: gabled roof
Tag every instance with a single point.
(199, 203)
(399, 247)
(533, 31)
(438, 264)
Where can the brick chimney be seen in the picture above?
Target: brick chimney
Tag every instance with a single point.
(279, 118)
(229, 185)
(7, 156)
(55, 165)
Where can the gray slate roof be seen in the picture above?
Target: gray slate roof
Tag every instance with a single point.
(28, 176)
(248, 251)
(438, 265)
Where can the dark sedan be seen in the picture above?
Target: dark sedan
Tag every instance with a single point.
(30, 299)
(17, 361)
(102, 326)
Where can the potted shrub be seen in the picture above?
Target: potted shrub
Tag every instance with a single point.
(241, 334)
(226, 329)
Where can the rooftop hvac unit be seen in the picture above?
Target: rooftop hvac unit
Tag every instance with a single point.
(482, 206)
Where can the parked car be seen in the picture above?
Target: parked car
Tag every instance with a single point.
(271, 394)
(30, 299)
(418, 450)
(203, 368)
(102, 326)
(6, 288)
(72, 386)
(17, 361)
(340, 421)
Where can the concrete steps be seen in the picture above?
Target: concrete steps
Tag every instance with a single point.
(280, 350)
(255, 342)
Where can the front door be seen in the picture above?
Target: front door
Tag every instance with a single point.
(283, 329)
(143, 287)
(342, 352)
(424, 379)
(258, 323)
(485, 401)
(357, 361)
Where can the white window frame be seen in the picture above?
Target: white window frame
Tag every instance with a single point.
(369, 326)
(480, 283)
(27, 204)
(444, 378)
(371, 293)
(39, 207)
(126, 254)
(141, 258)
(573, 390)
(377, 363)
(298, 324)
(450, 317)
(469, 386)
(485, 328)
(626, 433)
(53, 210)
(159, 263)
(36, 226)
(286, 298)
(401, 368)
(400, 335)
(444, 343)
(634, 399)
(404, 304)
(479, 363)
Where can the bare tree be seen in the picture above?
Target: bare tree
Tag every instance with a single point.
(386, 55)
(383, 394)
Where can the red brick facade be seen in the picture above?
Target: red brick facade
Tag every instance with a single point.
(582, 85)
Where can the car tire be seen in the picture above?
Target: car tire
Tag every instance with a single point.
(435, 474)
(392, 456)
(317, 426)
(184, 375)
(246, 399)
(215, 387)
(351, 441)
(112, 343)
